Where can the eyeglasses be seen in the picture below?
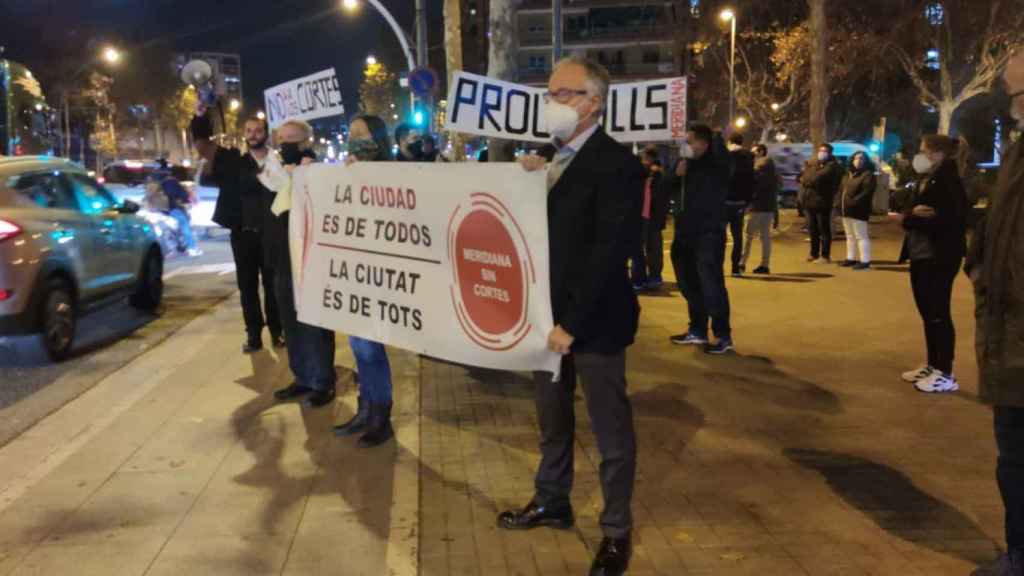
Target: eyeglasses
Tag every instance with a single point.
(563, 95)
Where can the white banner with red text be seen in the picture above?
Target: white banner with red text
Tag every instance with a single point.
(446, 260)
(648, 111)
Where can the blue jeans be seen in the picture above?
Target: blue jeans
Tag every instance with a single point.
(184, 228)
(374, 370)
(699, 262)
(1009, 425)
(310, 348)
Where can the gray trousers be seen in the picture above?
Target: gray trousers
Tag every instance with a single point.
(760, 224)
(611, 417)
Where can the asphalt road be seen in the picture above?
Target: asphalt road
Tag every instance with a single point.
(32, 387)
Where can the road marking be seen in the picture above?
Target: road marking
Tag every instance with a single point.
(219, 269)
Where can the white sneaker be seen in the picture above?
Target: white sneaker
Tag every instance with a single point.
(937, 382)
(918, 374)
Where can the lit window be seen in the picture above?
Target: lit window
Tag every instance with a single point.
(935, 13)
(931, 59)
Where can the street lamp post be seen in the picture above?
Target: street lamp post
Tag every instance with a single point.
(110, 55)
(403, 39)
(729, 15)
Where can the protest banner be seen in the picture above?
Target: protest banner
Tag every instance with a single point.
(649, 111)
(447, 260)
(307, 98)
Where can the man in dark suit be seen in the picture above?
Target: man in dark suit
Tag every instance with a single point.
(595, 188)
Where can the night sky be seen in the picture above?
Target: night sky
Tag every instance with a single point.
(277, 39)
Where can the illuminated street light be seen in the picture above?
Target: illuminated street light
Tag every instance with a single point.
(261, 115)
(111, 55)
(741, 122)
(235, 104)
(371, 60)
(350, 4)
(775, 106)
(729, 16)
(781, 137)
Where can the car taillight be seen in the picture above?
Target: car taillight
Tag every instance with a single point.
(5, 295)
(8, 230)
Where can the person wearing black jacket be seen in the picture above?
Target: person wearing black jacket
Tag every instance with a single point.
(820, 181)
(698, 250)
(648, 259)
(741, 190)
(764, 207)
(936, 225)
(242, 207)
(661, 185)
(594, 207)
(856, 203)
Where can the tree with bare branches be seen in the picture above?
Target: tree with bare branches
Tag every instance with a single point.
(954, 50)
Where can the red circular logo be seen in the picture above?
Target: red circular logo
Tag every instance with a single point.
(492, 273)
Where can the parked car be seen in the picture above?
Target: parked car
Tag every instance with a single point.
(126, 179)
(68, 246)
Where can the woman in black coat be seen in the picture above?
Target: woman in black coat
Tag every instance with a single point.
(936, 225)
(856, 201)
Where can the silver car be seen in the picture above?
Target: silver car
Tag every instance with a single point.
(67, 246)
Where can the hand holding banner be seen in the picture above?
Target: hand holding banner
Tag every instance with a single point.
(445, 260)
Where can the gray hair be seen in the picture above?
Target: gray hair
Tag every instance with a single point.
(597, 75)
(307, 130)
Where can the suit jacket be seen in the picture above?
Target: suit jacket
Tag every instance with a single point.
(593, 226)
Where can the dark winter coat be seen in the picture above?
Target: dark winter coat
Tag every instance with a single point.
(766, 186)
(819, 184)
(702, 210)
(741, 184)
(996, 262)
(858, 194)
(945, 235)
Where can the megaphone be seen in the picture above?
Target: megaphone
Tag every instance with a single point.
(199, 73)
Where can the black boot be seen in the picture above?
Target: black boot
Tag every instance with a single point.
(357, 425)
(378, 428)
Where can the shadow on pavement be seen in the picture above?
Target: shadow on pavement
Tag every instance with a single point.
(896, 505)
(815, 275)
(775, 278)
(666, 422)
(758, 377)
(903, 269)
(362, 479)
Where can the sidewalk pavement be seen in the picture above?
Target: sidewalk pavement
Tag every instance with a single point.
(801, 455)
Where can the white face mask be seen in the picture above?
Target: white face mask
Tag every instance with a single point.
(561, 120)
(822, 156)
(922, 163)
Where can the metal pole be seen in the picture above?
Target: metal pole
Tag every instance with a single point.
(423, 58)
(67, 127)
(556, 31)
(732, 75)
(421, 35)
(402, 38)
